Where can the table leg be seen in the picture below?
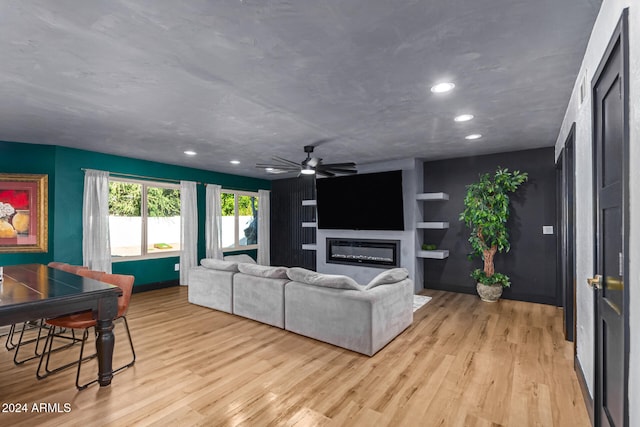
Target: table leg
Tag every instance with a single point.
(104, 347)
(105, 341)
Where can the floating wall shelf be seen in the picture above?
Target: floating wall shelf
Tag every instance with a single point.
(433, 225)
(435, 254)
(432, 196)
(309, 224)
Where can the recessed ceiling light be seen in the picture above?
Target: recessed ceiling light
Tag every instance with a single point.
(235, 162)
(442, 87)
(473, 136)
(190, 153)
(463, 117)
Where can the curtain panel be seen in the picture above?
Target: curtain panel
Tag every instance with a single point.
(213, 223)
(264, 226)
(96, 247)
(188, 229)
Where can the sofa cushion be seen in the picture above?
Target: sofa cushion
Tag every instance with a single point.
(336, 281)
(240, 258)
(218, 264)
(263, 271)
(387, 277)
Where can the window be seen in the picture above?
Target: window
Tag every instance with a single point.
(239, 220)
(144, 219)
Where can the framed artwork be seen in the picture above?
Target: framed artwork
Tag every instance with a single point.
(23, 213)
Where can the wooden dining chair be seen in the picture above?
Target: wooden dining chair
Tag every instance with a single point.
(86, 321)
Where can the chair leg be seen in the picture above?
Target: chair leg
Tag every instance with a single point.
(48, 350)
(133, 351)
(22, 342)
(83, 386)
(9, 342)
(115, 371)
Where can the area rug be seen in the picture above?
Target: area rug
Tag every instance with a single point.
(419, 301)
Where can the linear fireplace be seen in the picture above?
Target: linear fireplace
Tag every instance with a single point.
(364, 252)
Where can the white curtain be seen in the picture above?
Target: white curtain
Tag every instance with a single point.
(213, 224)
(188, 228)
(96, 248)
(264, 224)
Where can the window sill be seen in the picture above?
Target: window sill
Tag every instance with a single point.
(240, 248)
(172, 254)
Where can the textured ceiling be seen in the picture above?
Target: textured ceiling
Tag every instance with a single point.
(250, 79)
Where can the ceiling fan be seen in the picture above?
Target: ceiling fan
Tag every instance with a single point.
(309, 166)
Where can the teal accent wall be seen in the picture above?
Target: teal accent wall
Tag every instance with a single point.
(36, 159)
(66, 183)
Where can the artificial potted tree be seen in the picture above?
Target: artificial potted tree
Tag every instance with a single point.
(486, 211)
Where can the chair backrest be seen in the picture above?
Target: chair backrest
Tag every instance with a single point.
(91, 274)
(72, 268)
(56, 264)
(124, 282)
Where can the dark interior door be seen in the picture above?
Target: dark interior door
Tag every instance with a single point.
(609, 185)
(567, 238)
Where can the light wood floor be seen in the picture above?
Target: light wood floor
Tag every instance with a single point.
(461, 363)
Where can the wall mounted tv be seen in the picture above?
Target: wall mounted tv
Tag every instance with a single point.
(361, 202)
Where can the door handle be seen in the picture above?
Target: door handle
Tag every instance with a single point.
(595, 282)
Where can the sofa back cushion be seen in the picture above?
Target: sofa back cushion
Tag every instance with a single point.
(387, 277)
(263, 271)
(218, 264)
(240, 258)
(336, 281)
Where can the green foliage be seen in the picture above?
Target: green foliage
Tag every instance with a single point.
(247, 205)
(163, 202)
(125, 199)
(495, 279)
(228, 202)
(486, 209)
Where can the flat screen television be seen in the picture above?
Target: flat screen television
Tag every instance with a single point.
(370, 201)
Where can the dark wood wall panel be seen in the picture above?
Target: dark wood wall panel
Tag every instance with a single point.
(531, 263)
(287, 215)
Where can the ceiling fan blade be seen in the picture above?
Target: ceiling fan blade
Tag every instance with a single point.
(280, 171)
(339, 165)
(324, 173)
(283, 167)
(276, 171)
(337, 170)
(280, 159)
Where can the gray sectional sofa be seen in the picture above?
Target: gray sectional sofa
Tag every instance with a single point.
(330, 308)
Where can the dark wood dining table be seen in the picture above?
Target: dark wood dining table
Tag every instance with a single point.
(35, 291)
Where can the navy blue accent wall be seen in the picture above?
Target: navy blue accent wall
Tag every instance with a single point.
(287, 215)
(531, 263)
